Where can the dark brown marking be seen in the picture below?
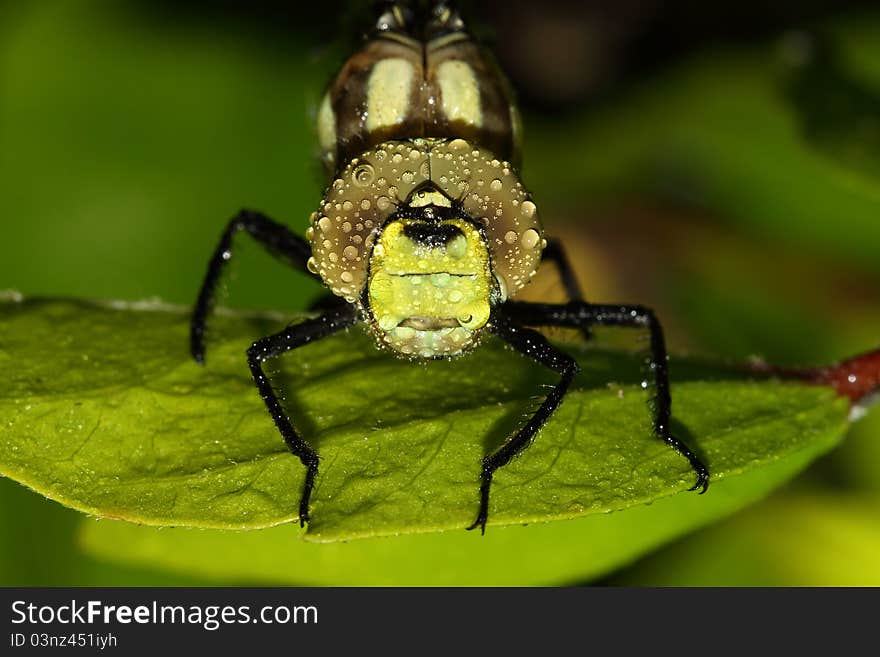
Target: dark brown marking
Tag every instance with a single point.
(348, 93)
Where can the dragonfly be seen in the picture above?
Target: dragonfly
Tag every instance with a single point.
(426, 231)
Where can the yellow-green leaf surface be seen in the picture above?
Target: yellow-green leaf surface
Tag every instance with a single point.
(103, 411)
(540, 554)
(797, 538)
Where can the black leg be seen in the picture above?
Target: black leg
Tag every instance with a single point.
(554, 252)
(535, 346)
(273, 345)
(584, 314)
(275, 237)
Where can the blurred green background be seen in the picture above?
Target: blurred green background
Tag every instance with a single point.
(720, 163)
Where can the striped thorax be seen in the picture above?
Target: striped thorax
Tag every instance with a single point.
(414, 79)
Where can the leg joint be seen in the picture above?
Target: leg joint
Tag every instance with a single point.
(259, 351)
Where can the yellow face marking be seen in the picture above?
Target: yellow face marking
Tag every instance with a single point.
(429, 197)
(460, 92)
(427, 301)
(388, 93)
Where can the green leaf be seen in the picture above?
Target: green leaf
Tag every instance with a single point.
(552, 553)
(797, 538)
(106, 413)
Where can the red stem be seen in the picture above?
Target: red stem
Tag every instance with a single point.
(855, 377)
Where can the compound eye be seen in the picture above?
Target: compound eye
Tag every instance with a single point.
(491, 192)
(356, 206)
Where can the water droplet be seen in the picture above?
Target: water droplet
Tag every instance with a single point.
(363, 175)
(346, 276)
(510, 237)
(324, 224)
(528, 209)
(441, 279)
(495, 185)
(530, 238)
(349, 253)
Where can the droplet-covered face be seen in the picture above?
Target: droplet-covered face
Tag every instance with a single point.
(406, 175)
(430, 286)
(426, 236)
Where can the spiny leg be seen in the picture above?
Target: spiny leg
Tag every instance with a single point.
(276, 238)
(273, 345)
(535, 346)
(579, 314)
(554, 252)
